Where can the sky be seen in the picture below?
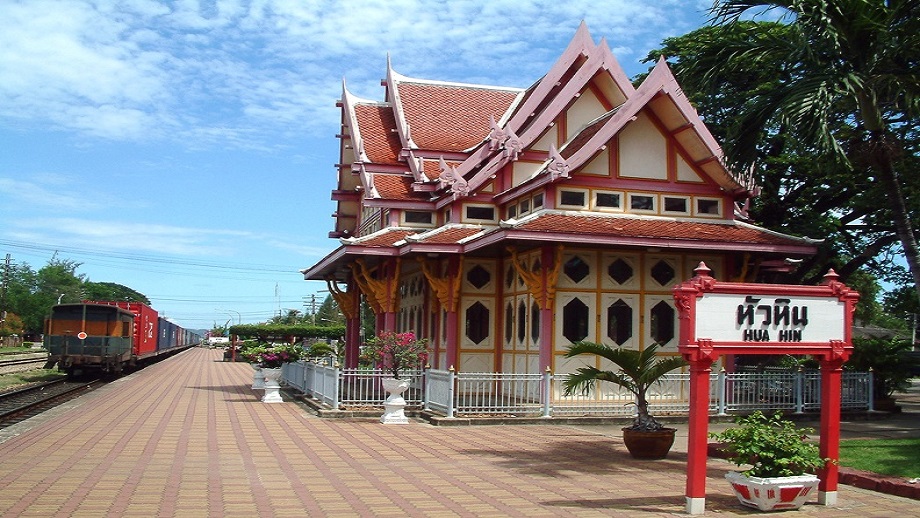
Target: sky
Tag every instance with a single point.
(186, 149)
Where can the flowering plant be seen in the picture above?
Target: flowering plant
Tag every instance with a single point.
(396, 351)
(250, 352)
(277, 355)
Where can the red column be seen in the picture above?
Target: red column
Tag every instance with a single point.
(453, 353)
(546, 314)
(831, 374)
(352, 341)
(698, 431)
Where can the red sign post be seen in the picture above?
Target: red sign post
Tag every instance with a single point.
(742, 318)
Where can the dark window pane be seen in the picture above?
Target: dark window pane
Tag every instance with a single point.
(522, 321)
(573, 198)
(642, 202)
(707, 206)
(478, 276)
(619, 322)
(509, 322)
(535, 322)
(575, 320)
(675, 204)
(414, 216)
(480, 213)
(608, 200)
(663, 273)
(620, 271)
(538, 201)
(662, 325)
(477, 323)
(576, 269)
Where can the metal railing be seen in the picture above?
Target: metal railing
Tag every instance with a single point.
(472, 394)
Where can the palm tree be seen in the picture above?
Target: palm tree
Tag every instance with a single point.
(639, 370)
(854, 61)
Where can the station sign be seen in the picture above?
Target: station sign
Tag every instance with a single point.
(731, 317)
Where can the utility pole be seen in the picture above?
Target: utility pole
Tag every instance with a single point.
(4, 285)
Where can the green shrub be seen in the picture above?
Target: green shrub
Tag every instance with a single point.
(773, 446)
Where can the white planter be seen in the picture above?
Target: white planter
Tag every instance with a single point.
(772, 494)
(395, 405)
(272, 387)
(258, 379)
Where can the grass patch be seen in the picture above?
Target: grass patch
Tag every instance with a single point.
(16, 379)
(894, 457)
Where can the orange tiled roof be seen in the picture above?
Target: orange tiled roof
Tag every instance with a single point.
(383, 238)
(397, 187)
(451, 117)
(447, 235)
(376, 123)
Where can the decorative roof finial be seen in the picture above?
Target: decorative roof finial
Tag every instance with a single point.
(558, 168)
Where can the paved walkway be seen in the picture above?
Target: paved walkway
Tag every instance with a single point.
(187, 437)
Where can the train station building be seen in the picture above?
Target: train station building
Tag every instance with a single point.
(506, 223)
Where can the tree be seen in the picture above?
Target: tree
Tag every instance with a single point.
(11, 325)
(112, 291)
(329, 313)
(292, 317)
(858, 58)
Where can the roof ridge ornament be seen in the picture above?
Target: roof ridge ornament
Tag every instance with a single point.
(558, 167)
(513, 145)
(449, 176)
(505, 139)
(497, 135)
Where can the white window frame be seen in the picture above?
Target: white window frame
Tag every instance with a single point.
(604, 208)
(584, 205)
(406, 222)
(696, 207)
(467, 219)
(653, 210)
(687, 204)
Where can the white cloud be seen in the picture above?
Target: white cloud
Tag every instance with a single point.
(268, 69)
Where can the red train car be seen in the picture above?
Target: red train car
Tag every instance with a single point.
(145, 325)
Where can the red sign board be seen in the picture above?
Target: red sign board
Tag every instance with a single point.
(742, 318)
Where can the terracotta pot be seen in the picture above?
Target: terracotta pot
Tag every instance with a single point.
(649, 445)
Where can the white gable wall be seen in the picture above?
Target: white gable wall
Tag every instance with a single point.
(584, 110)
(643, 150)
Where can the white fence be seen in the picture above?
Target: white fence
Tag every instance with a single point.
(455, 394)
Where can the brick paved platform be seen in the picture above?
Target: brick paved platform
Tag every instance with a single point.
(187, 437)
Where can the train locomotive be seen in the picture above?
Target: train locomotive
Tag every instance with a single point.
(109, 336)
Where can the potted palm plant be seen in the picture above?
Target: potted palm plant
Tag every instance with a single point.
(781, 461)
(639, 370)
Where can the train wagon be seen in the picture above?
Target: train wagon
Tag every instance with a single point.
(109, 335)
(79, 336)
(146, 325)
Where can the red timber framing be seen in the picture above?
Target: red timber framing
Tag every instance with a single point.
(505, 223)
(725, 318)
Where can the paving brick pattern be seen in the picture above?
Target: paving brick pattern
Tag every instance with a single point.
(187, 437)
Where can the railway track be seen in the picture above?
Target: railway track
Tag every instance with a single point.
(18, 405)
(22, 363)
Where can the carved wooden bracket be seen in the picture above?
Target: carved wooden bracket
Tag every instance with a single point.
(382, 294)
(447, 287)
(541, 286)
(343, 298)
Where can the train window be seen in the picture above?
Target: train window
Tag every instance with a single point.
(126, 329)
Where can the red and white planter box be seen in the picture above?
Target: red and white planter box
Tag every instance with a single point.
(772, 494)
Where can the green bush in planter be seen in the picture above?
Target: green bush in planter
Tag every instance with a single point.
(773, 446)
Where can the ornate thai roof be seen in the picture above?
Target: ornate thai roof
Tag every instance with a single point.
(434, 146)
